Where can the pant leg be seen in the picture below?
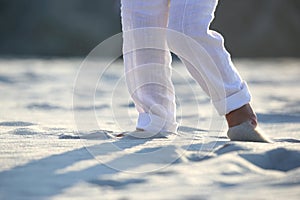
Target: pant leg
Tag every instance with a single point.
(213, 70)
(148, 70)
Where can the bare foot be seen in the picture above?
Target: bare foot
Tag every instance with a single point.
(240, 115)
(242, 124)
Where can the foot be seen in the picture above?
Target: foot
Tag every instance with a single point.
(243, 125)
(247, 132)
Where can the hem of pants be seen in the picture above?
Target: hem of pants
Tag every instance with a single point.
(234, 101)
(153, 123)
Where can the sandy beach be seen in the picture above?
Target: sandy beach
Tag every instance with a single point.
(50, 150)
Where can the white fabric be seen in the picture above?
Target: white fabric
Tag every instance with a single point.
(148, 70)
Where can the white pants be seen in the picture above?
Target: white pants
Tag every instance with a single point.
(148, 70)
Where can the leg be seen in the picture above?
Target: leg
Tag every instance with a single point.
(193, 18)
(214, 71)
(148, 70)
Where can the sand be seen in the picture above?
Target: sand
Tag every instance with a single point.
(48, 151)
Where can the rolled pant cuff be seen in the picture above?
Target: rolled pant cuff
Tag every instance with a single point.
(153, 123)
(234, 101)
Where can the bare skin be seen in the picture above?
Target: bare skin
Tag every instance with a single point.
(240, 115)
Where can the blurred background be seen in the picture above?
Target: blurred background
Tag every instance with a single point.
(252, 28)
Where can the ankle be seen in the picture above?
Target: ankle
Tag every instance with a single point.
(240, 115)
